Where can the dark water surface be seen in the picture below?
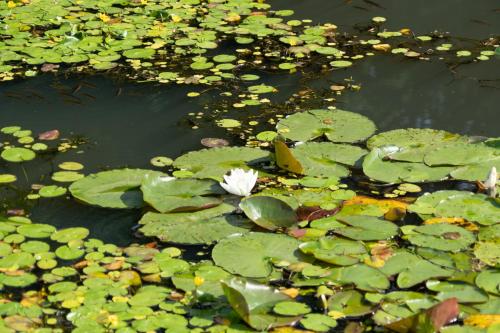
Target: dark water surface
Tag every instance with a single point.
(477, 19)
(128, 123)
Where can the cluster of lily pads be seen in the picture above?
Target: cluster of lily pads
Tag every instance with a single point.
(299, 252)
(193, 41)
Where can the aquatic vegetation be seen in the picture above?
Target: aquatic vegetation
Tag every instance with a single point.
(317, 224)
(300, 249)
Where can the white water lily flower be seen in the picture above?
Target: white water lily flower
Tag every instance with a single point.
(490, 184)
(240, 182)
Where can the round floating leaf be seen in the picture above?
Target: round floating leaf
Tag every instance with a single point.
(252, 255)
(69, 234)
(478, 171)
(19, 260)
(36, 230)
(215, 162)
(489, 280)
(464, 292)
(413, 138)
(161, 161)
(318, 322)
(341, 63)
(52, 191)
(476, 208)
(71, 166)
(67, 176)
(167, 194)
(441, 236)
(288, 308)
(112, 189)
(378, 168)
(412, 269)
(461, 154)
(253, 303)
(261, 89)
(69, 253)
(366, 228)
(350, 303)
(336, 125)
(35, 247)
(139, 53)
(17, 155)
(268, 212)
(327, 159)
(170, 228)
(7, 178)
(18, 281)
(426, 204)
(363, 276)
(337, 251)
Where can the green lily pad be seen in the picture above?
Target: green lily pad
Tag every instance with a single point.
(36, 230)
(350, 303)
(378, 168)
(288, 308)
(464, 292)
(336, 250)
(489, 280)
(202, 231)
(253, 302)
(112, 189)
(215, 162)
(66, 252)
(52, 191)
(69, 234)
(17, 155)
(139, 53)
(67, 176)
(337, 126)
(7, 178)
(253, 254)
(414, 143)
(167, 194)
(318, 322)
(412, 269)
(362, 276)
(366, 228)
(477, 208)
(461, 154)
(268, 212)
(440, 236)
(327, 159)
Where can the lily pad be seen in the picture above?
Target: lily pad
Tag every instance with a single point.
(253, 254)
(378, 168)
(167, 194)
(17, 155)
(202, 231)
(215, 162)
(327, 159)
(112, 189)
(268, 212)
(440, 236)
(335, 250)
(336, 125)
(253, 302)
(366, 228)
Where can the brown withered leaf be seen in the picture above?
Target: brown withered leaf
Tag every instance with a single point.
(49, 135)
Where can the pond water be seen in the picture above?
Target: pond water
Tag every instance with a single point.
(126, 124)
(462, 18)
